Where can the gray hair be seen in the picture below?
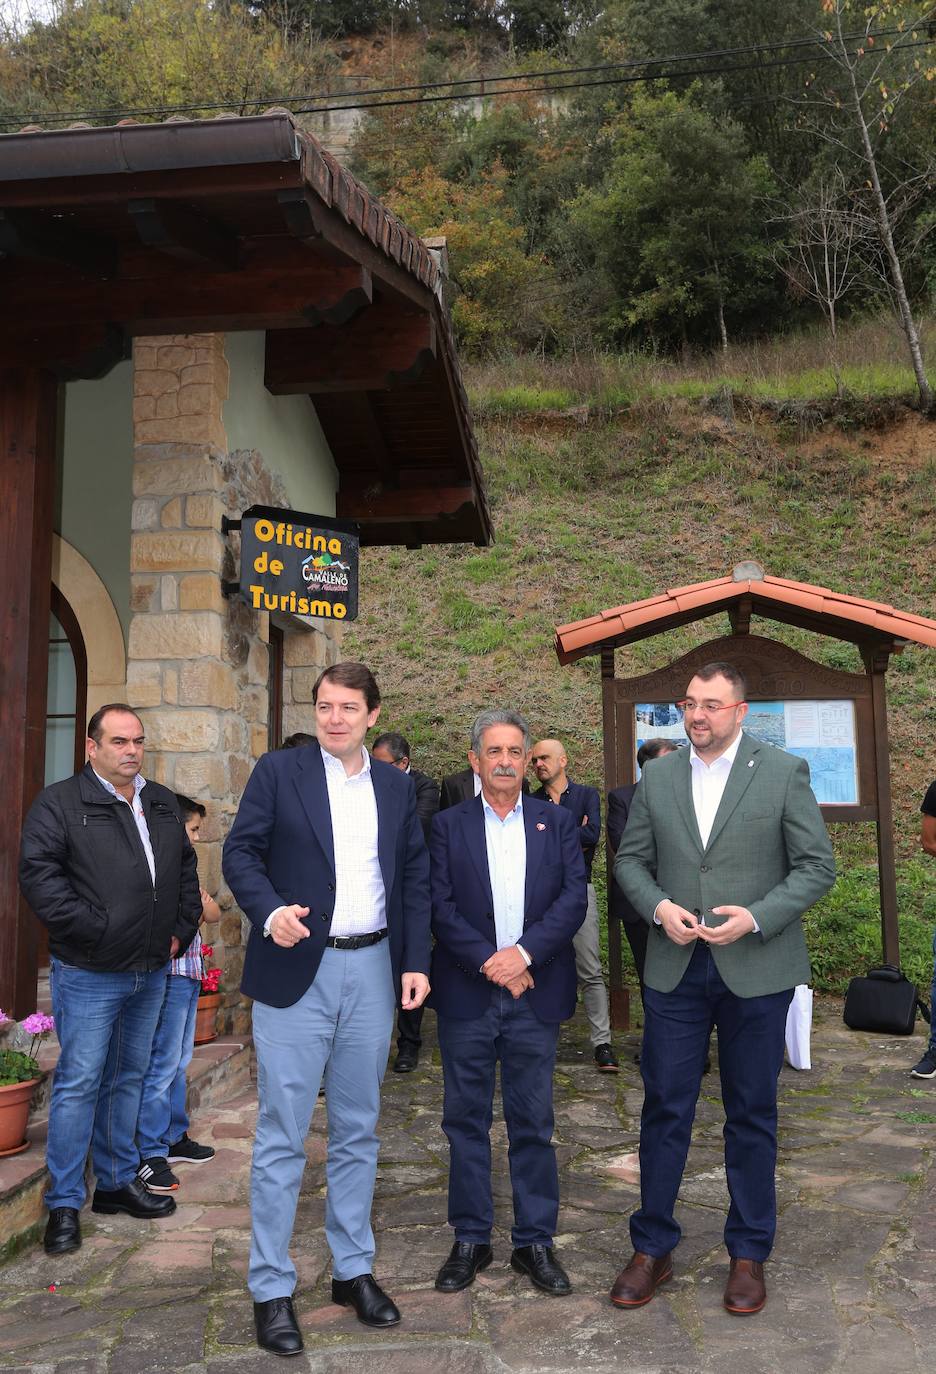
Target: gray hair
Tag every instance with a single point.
(485, 719)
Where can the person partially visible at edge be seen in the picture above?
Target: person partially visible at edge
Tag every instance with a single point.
(106, 865)
(327, 860)
(392, 747)
(162, 1126)
(926, 1067)
(619, 801)
(725, 848)
(550, 762)
(508, 895)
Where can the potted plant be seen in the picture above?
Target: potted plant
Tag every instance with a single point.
(209, 999)
(19, 1075)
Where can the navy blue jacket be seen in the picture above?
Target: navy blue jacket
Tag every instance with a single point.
(463, 909)
(280, 850)
(581, 801)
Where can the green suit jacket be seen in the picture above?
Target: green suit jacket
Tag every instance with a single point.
(768, 851)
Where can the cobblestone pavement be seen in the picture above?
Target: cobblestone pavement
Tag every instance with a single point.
(852, 1283)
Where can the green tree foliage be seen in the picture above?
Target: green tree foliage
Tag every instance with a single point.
(115, 55)
(676, 226)
(505, 296)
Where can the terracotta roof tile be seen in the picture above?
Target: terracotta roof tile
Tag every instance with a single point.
(836, 608)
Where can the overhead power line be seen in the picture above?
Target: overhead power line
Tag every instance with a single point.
(664, 67)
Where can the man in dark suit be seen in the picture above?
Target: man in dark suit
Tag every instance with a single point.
(328, 862)
(462, 786)
(619, 801)
(391, 747)
(724, 850)
(508, 894)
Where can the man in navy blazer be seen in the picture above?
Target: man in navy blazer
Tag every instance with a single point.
(328, 862)
(508, 895)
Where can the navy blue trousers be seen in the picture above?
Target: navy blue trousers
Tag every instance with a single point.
(511, 1032)
(677, 1026)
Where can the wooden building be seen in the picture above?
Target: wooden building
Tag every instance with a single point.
(196, 316)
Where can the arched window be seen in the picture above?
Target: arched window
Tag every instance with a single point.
(67, 693)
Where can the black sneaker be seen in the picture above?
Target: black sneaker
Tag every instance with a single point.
(605, 1059)
(186, 1151)
(157, 1175)
(926, 1067)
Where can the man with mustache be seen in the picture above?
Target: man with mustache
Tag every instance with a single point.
(508, 895)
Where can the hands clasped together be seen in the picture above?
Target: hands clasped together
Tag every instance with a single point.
(508, 969)
(287, 929)
(684, 926)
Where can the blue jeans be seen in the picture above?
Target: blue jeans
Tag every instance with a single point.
(163, 1118)
(105, 1024)
(677, 1027)
(509, 1031)
(340, 1027)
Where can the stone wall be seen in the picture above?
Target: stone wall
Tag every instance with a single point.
(198, 662)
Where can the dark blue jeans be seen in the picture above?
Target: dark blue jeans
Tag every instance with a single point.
(677, 1026)
(511, 1032)
(105, 1024)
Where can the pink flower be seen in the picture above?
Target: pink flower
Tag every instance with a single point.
(39, 1024)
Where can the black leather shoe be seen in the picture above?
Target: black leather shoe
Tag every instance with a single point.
(544, 1270)
(406, 1060)
(368, 1299)
(605, 1059)
(277, 1328)
(63, 1233)
(135, 1199)
(464, 1261)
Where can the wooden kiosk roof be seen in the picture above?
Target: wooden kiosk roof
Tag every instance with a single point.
(745, 592)
(248, 224)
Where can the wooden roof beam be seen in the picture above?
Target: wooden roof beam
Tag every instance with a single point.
(176, 229)
(385, 347)
(404, 505)
(23, 235)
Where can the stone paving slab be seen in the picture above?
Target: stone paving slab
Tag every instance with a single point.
(852, 1282)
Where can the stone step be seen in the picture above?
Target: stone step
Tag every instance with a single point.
(219, 1070)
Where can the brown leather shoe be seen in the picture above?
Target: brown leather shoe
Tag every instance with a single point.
(637, 1284)
(745, 1291)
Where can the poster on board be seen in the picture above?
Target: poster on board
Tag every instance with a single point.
(821, 732)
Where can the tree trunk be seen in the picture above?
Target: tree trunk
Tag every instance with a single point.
(907, 322)
(721, 324)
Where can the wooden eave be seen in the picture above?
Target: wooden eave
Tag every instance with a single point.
(247, 224)
(871, 625)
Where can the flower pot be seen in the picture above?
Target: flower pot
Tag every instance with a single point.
(15, 1099)
(206, 1017)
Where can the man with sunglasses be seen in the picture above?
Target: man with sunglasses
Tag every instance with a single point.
(724, 850)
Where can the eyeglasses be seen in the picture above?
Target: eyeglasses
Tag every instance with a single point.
(707, 708)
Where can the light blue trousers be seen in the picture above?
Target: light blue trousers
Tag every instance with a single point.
(341, 1028)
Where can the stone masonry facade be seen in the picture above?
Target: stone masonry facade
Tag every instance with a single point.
(198, 667)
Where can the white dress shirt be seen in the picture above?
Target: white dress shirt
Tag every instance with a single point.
(506, 856)
(708, 785)
(136, 806)
(360, 895)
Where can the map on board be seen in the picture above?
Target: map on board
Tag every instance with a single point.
(821, 732)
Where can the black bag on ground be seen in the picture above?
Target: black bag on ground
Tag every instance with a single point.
(884, 1001)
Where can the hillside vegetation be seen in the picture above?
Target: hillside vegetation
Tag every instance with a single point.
(595, 507)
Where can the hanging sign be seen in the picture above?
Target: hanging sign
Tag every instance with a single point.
(304, 564)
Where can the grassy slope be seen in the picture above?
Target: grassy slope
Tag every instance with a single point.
(593, 511)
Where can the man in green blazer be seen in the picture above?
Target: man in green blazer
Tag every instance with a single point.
(724, 850)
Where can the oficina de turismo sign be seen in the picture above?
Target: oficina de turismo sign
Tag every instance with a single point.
(303, 564)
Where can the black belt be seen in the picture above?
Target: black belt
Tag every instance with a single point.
(373, 937)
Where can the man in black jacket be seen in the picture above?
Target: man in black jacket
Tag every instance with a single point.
(391, 747)
(107, 867)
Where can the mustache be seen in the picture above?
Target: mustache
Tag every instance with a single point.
(504, 770)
